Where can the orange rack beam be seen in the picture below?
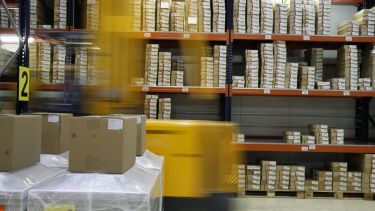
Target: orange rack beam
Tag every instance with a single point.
(186, 89)
(179, 36)
(347, 1)
(306, 38)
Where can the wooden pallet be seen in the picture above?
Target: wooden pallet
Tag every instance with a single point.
(273, 194)
(338, 195)
(319, 194)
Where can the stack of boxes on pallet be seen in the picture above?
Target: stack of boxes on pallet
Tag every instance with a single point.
(241, 175)
(295, 16)
(151, 64)
(281, 18)
(297, 178)
(340, 176)
(291, 76)
(266, 14)
(280, 64)
(253, 14)
(178, 16)
(347, 63)
(268, 181)
(348, 27)
(252, 68)
(308, 18)
(292, 137)
(163, 10)
(239, 16)
(366, 20)
(306, 77)
(60, 14)
(191, 16)
(253, 177)
(323, 17)
(58, 73)
(336, 136)
(149, 15)
(367, 166)
(204, 16)
(354, 181)
(165, 67)
(218, 16)
(320, 132)
(220, 65)
(311, 185)
(177, 76)
(283, 177)
(267, 65)
(325, 180)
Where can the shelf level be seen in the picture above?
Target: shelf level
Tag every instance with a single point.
(305, 38)
(39, 87)
(347, 1)
(7, 31)
(182, 90)
(264, 147)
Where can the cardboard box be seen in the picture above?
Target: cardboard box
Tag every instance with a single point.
(20, 141)
(105, 144)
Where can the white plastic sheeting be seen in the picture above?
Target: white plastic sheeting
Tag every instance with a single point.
(55, 161)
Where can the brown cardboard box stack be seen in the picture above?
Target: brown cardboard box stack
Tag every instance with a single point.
(177, 76)
(336, 136)
(178, 16)
(268, 181)
(280, 64)
(33, 57)
(60, 14)
(325, 180)
(323, 85)
(316, 60)
(44, 64)
(253, 15)
(338, 83)
(191, 13)
(163, 11)
(241, 173)
(366, 20)
(281, 18)
(5, 20)
(368, 63)
(367, 166)
(340, 176)
(220, 65)
(94, 75)
(295, 15)
(238, 81)
(34, 13)
(364, 84)
(320, 132)
(165, 67)
(5, 56)
(207, 71)
(347, 63)
(311, 185)
(93, 9)
(297, 178)
(282, 177)
(239, 16)
(136, 8)
(151, 66)
(204, 16)
(151, 105)
(165, 107)
(308, 18)
(81, 66)
(348, 27)
(58, 72)
(149, 15)
(253, 177)
(266, 17)
(308, 139)
(323, 17)
(354, 181)
(252, 68)
(267, 65)
(291, 76)
(292, 137)
(218, 16)
(306, 77)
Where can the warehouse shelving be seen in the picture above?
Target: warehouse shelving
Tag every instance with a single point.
(306, 38)
(185, 89)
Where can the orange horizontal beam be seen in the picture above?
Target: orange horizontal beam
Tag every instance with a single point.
(252, 147)
(8, 86)
(7, 31)
(182, 90)
(305, 38)
(179, 36)
(347, 1)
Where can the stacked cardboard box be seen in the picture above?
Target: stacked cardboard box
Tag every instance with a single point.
(136, 9)
(191, 15)
(268, 181)
(295, 15)
(340, 176)
(306, 77)
(323, 17)
(316, 60)
(241, 173)
(207, 51)
(366, 20)
(58, 72)
(252, 68)
(220, 65)
(367, 165)
(177, 76)
(165, 67)
(207, 71)
(297, 178)
(368, 63)
(292, 137)
(291, 76)
(267, 65)
(60, 14)
(253, 177)
(320, 132)
(253, 14)
(34, 13)
(240, 138)
(138, 81)
(323, 85)
(151, 64)
(5, 20)
(364, 84)
(238, 81)
(347, 62)
(336, 136)
(266, 14)
(348, 28)
(281, 18)
(280, 64)
(311, 185)
(33, 60)
(325, 180)
(151, 105)
(178, 16)
(81, 66)
(93, 8)
(5, 56)
(44, 64)
(165, 108)
(149, 15)
(308, 19)
(239, 16)
(163, 11)
(338, 83)
(94, 74)
(354, 181)
(204, 17)
(308, 139)
(218, 16)
(282, 177)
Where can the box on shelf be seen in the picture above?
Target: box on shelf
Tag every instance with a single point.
(320, 132)
(177, 16)
(252, 68)
(151, 105)
(337, 83)
(366, 20)
(291, 76)
(165, 108)
(239, 16)
(295, 16)
(280, 59)
(364, 84)
(336, 136)
(253, 16)
(218, 16)
(280, 18)
(207, 71)
(266, 17)
(323, 17)
(368, 63)
(163, 12)
(348, 27)
(308, 19)
(348, 65)
(151, 64)
(316, 60)
(238, 81)
(149, 15)
(165, 68)
(191, 16)
(93, 15)
(292, 137)
(306, 77)
(308, 139)
(267, 65)
(204, 17)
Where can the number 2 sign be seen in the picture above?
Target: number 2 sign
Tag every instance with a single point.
(24, 84)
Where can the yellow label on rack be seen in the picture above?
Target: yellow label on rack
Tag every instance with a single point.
(24, 84)
(64, 207)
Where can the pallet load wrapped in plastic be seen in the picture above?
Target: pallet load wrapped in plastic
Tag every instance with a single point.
(55, 160)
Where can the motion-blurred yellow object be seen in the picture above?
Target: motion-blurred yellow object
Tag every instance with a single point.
(198, 156)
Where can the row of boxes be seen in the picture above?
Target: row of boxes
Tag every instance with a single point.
(306, 77)
(238, 81)
(323, 17)
(280, 64)
(252, 68)
(266, 17)
(368, 63)
(60, 12)
(165, 68)
(239, 15)
(348, 65)
(280, 18)
(364, 84)
(316, 60)
(157, 108)
(367, 166)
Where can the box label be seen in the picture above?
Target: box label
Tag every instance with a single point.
(60, 208)
(304, 148)
(139, 119)
(115, 124)
(192, 20)
(164, 5)
(53, 118)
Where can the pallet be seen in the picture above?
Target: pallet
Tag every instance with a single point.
(319, 194)
(338, 195)
(273, 194)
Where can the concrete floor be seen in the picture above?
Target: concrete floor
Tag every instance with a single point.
(289, 204)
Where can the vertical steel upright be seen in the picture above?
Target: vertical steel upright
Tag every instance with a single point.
(24, 23)
(228, 85)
